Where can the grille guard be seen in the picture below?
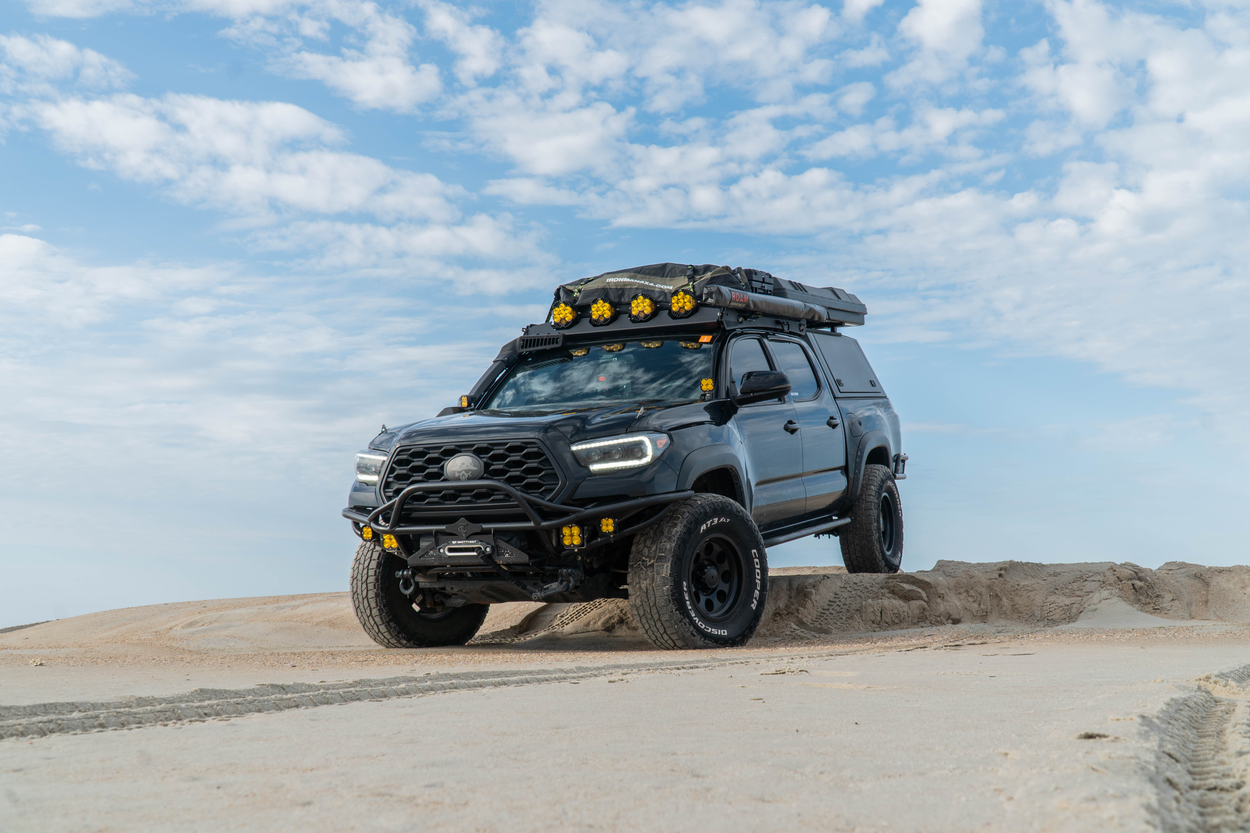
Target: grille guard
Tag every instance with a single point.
(530, 505)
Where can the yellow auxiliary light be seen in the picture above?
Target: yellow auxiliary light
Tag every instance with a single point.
(607, 525)
(464, 402)
(563, 316)
(614, 348)
(601, 312)
(641, 309)
(690, 345)
(572, 536)
(681, 304)
(580, 351)
(651, 345)
(389, 542)
(366, 532)
(706, 384)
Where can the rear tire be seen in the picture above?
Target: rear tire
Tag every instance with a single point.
(873, 541)
(699, 577)
(392, 619)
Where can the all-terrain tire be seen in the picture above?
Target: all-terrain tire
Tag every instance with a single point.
(873, 541)
(391, 619)
(699, 577)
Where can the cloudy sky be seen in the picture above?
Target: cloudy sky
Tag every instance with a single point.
(237, 236)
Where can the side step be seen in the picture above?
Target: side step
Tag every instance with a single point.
(781, 536)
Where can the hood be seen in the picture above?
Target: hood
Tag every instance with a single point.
(574, 427)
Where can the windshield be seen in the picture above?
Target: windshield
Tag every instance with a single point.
(652, 371)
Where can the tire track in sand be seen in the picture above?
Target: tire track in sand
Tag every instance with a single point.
(46, 719)
(1202, 765)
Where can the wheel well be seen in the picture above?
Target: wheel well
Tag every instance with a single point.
(719, 482)
(880, 455)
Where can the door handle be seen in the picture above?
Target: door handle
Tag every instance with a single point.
(832, 422)
(791, 426)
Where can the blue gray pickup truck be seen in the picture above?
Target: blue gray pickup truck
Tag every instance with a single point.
(649, 441)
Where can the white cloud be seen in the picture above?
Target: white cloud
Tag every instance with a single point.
(931, 129)
(37, 65)
(250, 158)
(948, 32)
(855, 10)
(379, 75)
(479, 49)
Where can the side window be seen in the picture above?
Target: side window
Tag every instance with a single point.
(792, 359)
(850, 369)
(748, 355)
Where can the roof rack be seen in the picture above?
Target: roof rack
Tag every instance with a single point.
(643, 292)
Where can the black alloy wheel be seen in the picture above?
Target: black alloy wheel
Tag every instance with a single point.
(886, 522)
(715, 577)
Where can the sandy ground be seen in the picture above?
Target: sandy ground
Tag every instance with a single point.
(971, 697)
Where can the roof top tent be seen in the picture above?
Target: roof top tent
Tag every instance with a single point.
(681, 288)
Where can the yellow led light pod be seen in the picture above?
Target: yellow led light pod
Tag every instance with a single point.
(464, 402)
(580, 351)
(641, 309)
(389, 542)
(572, 536)
(706, 384)
(563, 316)
(614, 348)
(607, 525)
(690, 345)
(366, 532)
(651, 345)
(601, 312)
(681, 304)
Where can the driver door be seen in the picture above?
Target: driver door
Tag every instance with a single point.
(774, 450)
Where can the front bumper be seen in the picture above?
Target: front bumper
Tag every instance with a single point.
(540, 516)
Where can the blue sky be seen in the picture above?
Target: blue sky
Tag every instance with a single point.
(236, 236)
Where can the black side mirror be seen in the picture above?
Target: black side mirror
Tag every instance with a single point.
(761, 385)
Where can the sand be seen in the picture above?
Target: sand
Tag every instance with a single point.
(999, 697)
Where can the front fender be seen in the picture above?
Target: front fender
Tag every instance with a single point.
(720, 456)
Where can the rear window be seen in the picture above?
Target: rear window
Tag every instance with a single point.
(850, 369)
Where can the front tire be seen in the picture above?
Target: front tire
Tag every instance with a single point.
(392, 619)
(699, 577)
(873, 541)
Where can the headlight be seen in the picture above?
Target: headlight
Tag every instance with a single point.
(629, 452)
(369, 467)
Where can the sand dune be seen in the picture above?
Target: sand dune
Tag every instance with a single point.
(804, 606)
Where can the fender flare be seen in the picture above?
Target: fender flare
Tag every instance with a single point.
(869, 441)
(703, 460)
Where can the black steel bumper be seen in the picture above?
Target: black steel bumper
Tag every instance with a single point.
(540, 515)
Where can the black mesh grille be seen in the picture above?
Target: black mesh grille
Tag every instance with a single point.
(521, 464)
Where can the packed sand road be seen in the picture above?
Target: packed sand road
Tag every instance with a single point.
(1009, 696)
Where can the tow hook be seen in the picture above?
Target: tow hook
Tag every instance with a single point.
(406, 584)
(570, 577)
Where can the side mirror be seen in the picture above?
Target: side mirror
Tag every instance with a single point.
(761, 385)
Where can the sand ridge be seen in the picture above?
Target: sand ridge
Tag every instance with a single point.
(804, 606)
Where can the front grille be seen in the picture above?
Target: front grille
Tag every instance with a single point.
(521, 464)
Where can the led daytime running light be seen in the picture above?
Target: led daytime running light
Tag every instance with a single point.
(628, 452)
